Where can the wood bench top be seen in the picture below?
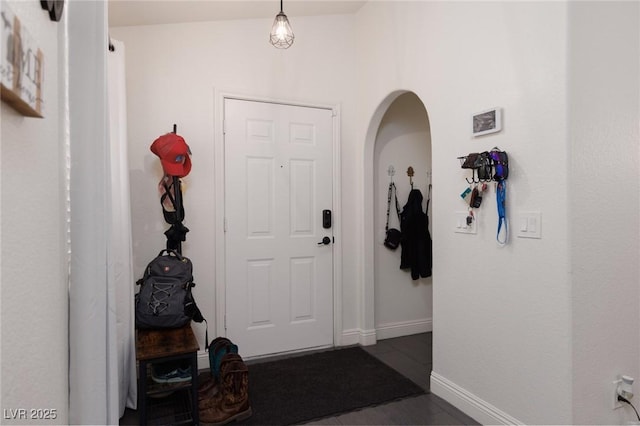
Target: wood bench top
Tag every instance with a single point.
(151, 344)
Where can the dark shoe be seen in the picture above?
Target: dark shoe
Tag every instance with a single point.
(177, 375)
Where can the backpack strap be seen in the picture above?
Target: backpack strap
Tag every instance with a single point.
(197, 314)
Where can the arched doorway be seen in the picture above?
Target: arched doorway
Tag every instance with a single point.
(398, 135)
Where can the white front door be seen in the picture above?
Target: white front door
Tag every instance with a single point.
(278, 182)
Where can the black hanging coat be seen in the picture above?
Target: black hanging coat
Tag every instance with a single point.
(416, 240)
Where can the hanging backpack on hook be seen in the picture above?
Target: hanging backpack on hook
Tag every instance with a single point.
(165, 299)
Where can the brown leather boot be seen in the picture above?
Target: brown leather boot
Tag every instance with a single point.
(233, 403)
(205, 383)
(210, 395)
(207, 389)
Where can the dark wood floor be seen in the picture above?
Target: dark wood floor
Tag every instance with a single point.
(411, 356)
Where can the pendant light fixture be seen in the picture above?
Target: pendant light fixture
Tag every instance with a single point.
(281, 33)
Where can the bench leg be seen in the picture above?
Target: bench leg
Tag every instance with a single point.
(142, 393)
(194, 389)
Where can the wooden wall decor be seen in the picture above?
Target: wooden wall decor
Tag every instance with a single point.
(21, 67)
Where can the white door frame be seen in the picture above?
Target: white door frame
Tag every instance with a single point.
(219, 189)
(368, 332)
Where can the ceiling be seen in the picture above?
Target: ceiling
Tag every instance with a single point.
(150, 12)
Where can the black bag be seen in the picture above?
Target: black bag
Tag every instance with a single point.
(472, 161)
(484, 169)
(165, 299)
(393, 236)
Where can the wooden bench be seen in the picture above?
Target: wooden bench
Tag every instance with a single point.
(156, 346)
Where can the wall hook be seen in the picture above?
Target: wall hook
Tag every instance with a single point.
(410, 174)
(473, 178)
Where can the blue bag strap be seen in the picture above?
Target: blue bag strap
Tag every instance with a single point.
(501, 195)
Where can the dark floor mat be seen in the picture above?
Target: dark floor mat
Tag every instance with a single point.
(308, 387)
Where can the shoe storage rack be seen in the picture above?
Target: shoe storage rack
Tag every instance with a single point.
(168, 403)
(172, 409)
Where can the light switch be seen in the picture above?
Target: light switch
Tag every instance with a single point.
(461, 223)
(530, 224)
(523, 224)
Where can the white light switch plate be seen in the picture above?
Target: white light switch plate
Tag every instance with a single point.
(460, 223)
(529, 224)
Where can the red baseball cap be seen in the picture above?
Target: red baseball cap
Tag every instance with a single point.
(174, 154)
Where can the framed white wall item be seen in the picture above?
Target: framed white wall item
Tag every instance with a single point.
(488, 121)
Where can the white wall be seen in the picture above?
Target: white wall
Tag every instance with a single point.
(402, 306)
(34, 261)
(520, 332)
(172, 74)
(530, 332)
(501, 316)
(604, 110)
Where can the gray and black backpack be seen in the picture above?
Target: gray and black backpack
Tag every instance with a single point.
(165, 299)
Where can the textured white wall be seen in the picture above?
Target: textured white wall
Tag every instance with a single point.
(402, 305)
(33, 297)
(172, 73)
(605, 219)
(510, 324)
(501, 316)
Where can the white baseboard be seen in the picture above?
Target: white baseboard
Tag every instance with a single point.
(403, 328)
(203, 360)
(351, 337)
(356, 336)
(469, 403)
(368, 337)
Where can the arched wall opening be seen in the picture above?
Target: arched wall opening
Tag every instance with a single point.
(394, 304)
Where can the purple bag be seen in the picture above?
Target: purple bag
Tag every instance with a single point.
(500, 161)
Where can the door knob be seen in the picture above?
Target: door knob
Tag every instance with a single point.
(325, 241)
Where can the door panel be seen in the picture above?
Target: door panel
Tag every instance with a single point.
(278, 180)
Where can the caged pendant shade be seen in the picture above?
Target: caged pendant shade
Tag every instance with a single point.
(281, 35)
